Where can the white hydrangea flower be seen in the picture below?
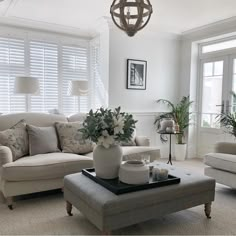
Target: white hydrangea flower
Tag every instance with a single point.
(105, 133)
(119, 125)
(106, 141)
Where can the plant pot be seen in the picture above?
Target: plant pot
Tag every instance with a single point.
(180, 152)
(107, 161)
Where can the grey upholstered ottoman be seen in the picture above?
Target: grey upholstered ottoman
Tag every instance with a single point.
(109, 211)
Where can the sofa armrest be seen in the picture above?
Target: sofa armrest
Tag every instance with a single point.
(224, 147)
(5, 155)
(142, 141)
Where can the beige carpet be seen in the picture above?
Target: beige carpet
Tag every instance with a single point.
(40, 215)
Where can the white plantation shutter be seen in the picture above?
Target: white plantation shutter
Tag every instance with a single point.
(54, 62)
(44, 65)
(12, 64)
(99, 91)
(74, 67)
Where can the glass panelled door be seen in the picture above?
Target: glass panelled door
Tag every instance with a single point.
(217, 86)
(233, 96)
(212, 94)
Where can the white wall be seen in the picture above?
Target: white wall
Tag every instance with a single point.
(161, 51)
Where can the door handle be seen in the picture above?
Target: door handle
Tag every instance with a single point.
(222, 106)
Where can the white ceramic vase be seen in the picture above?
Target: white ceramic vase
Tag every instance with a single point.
(107, 161)
(180, 152)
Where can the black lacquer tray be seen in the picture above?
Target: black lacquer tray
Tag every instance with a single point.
(117, 187)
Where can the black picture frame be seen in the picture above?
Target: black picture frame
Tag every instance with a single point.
(136, 74)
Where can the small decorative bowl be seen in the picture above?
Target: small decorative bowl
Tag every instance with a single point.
(134, 172)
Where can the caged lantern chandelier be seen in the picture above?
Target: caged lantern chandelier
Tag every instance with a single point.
(131, 15)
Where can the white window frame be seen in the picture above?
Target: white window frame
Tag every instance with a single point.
(218, 53)
(60, 40)
(226, 55)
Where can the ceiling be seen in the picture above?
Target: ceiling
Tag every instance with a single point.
(176, 16)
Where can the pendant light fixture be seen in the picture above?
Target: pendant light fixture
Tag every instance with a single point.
(131, 15)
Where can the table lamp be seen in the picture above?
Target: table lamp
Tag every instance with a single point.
(78, 88)
(28, 86)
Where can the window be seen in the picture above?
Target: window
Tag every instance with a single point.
(219, 46)
(12, 64)
(44, 66)
(53, 62)
(74, 67)
(99, 91)
(212, 83)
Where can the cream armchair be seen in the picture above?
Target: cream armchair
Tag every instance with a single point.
(222, 164)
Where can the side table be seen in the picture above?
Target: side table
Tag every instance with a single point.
(170, 142)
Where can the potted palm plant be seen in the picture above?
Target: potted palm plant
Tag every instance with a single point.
(228, 119)
(181, 116)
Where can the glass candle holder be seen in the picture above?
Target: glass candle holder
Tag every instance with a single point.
(160, 174)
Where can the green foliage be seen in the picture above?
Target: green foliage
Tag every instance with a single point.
(228, 120)
(106, 126)
(179, 113)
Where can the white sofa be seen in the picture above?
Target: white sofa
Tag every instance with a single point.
(46, 171)
(222, 164)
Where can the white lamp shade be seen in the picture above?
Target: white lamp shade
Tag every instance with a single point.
(78, 88)
(26, 85)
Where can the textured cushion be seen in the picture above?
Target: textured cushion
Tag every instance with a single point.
(45, 166)
(16, 138)
(71, 140)
(42, 140)
(221, 161)
(106, 203)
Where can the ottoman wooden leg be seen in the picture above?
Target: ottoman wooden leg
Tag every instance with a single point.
(69, 208)
(9, 201)
(208, 210)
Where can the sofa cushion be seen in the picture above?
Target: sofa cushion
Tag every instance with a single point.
(136, 152)
(71, 140)
(77, 117)
(221, 161)
(42, 140)
(37, 119)
(45, 166)
(16, 138)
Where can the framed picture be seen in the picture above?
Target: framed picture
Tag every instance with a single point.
(136, 74)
